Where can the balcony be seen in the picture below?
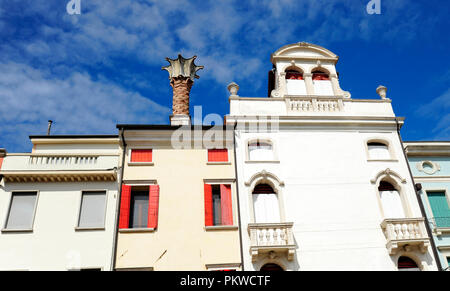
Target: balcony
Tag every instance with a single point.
(59, 168)
(405, 233)
(271, 237)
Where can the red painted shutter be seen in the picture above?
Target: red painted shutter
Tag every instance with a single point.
(218, 155)
(1, 162)
(227, 208)
(208, 206)
(141, 156)
(153, 206)
(124, 216)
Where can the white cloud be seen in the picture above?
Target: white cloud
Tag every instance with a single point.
(77, 104)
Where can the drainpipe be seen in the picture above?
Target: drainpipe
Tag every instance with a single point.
(422, 208)
(237, 195)
(116, 230)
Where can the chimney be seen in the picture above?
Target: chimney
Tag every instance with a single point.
(182, 73)
(49, 126)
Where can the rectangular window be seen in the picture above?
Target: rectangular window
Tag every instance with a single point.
(141, 155)
(260, 151)
(21, 211)
(218, 205)
(217, 155)
(92, 213)
(139, 209)
(378, 151)
(440, 207)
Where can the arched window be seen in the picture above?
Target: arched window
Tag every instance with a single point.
(378, 151)
(294, 82)
(260, 151)
(265, 204)
(407, 264)
(294, 75)
(320, 76)
(271, 268)
(391, 201)
(322, 83)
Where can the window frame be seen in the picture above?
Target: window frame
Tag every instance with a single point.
(393, 157)
(148, 164)
(270, 141)
(5, 222)
(223, 267)
(439, 231)
(218, 163)
(77, 223)
(137, 183)
(234, 202)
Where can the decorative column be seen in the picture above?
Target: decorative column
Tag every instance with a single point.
(182, 73)
(335, 83)
(309, 83)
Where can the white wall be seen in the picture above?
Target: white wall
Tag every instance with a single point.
(54, 243)
(329, 197)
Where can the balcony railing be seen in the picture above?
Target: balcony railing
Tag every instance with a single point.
(311, 104)
(405, 233)
(271, 237)
(440, 224)
(59, 167)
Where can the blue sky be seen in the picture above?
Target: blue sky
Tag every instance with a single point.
(88, 72)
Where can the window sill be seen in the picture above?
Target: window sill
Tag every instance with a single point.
(136, 230)
(218, 163)
(262, 162)
(386, 160)
(441, 230)
(221, 227)
(17, 230)
(149, 164)
(89, 228)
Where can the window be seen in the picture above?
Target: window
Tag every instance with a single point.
(378, 151)
(139, 207)
(92, 213)
(320, 76)
(217, 155)
(141, 155)
(265, 204)
(295, 83)
(294, 75)
(218, 205)
(21, 211)
(407, 264)
(391, 201)
(260, 151)
(271, 268)
(440, 208)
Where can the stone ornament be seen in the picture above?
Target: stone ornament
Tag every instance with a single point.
(182, 67)
(382, 91)
(432, 168)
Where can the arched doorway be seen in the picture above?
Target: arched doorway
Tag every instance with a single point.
(407, 264)
(391, 201)
(271, 268)
(265, 204)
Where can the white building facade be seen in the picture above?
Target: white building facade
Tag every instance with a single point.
(58, 204)
(323, 182)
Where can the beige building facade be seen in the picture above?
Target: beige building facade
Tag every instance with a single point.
(178, 237)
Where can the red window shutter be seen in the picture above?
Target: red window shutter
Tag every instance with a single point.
(124, 216)
(218, 155)
(208, 206)
(153, 206)
(141, 156)
(1, 162)
(226, 204)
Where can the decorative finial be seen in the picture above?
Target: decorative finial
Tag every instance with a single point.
(381, 90)
(182, 67)
(233, 88)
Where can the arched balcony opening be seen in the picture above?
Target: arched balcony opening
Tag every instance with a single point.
(322, 83)
(391, 201)
(265, 204)
(295, 82)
